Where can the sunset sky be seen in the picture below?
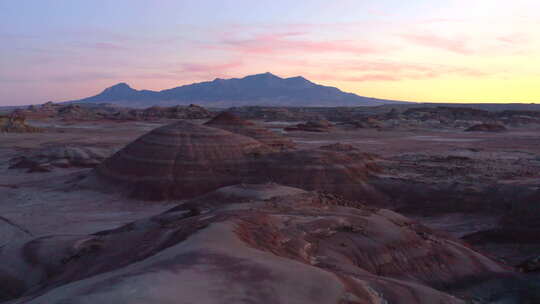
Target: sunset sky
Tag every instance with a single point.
(422, 50)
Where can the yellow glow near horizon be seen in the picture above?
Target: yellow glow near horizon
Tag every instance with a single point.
(451, 90)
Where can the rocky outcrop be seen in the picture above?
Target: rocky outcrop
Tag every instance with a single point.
(67, 112)
(519, 118)
(448, 113)
(72, 111)
(339, 169)
(191, 112)
(156, 113)
(312, 126)
(367, 123)
(32, 166)
(179, 161)
(246, 244)
(275, 113)
(16, 123)
(46, 110)
(462, 180)
(486, 127)
(433, 117)
(183, 160)
(235, 124)
(177, 112)
(64, 156)
(76, 112)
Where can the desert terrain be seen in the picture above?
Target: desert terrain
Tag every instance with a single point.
(269, 205)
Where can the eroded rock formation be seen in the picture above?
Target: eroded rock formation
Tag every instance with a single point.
(260, 244)
(63, 156)
(177, 112)
(233, 123)
(76, 112)
(515, 239)
(486, 127)
(339, 169)
(180, 160)
(184, 159)
(16, 123)
(321, 125)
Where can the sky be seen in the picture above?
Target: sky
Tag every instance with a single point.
(422, 50)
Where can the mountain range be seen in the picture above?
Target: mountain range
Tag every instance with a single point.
(264, 89)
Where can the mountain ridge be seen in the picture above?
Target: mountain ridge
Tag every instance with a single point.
(264, 89)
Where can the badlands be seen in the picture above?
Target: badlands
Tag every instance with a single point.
(385, 204)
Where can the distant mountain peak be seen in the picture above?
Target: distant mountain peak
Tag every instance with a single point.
(119, 87)
(299, 79)
(260, 89)
(266, 75)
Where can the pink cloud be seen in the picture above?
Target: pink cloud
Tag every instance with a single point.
(385, 66)
(395, 71)
(283, 43)
(515, 38)
(452, 45)
(171, 76)
(209, 67)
